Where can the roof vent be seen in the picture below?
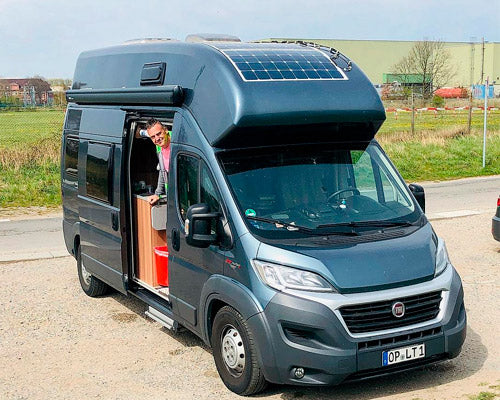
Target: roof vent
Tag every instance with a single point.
(211, 37)
(149, 40)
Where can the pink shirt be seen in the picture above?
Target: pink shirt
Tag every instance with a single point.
(165, 152)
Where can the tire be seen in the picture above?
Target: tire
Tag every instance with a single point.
(235, 353)
(92, 286)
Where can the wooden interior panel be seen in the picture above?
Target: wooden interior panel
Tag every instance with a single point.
(146, 240)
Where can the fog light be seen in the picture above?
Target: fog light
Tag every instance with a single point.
(299, 373)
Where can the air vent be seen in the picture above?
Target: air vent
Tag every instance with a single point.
(153, 73)
(211, 37)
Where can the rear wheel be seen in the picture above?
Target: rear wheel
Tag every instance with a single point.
(92, 286)
(235, 353)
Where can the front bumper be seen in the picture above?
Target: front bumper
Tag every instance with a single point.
(296, 332)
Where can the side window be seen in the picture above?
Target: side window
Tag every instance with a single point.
(208, 190)
(71, 157)
(390, 192)
(99, 167)
(187, 182)
(363, 173)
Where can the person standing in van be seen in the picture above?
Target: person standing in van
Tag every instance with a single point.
(161, 138)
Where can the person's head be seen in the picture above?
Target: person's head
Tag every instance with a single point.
(157, 132)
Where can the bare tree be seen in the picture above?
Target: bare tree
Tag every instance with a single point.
(431, 61)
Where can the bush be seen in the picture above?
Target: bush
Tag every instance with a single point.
(437, 101)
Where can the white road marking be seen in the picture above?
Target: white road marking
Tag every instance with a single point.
(4, 220)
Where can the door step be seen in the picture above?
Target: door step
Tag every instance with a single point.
(167, 322)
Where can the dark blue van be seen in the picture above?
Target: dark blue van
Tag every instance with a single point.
(295, 249)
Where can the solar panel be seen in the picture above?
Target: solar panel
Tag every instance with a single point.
(285, 63)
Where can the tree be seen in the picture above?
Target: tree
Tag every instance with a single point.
(431, 62)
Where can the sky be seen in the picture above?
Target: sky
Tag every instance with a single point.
(45, 37)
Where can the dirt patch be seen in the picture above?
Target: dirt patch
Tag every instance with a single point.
(58, 343)
(124, 317)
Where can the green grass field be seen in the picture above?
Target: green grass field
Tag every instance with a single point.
(439, 150)
(429, 121)
(23, 128)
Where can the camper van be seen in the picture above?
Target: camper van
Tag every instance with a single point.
(287, 240)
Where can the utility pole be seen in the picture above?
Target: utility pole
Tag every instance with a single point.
(472, 51)
(412, 114)
(486, 90)
(482, 64)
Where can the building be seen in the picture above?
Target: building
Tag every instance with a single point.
(25, 91)
(377, 58)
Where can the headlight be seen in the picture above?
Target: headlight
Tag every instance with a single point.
(280, 277)
(442, 260)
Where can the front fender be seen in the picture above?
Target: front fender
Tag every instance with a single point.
(226, 290)
(229, 291)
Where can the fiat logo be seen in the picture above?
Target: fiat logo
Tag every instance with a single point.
(398, 309)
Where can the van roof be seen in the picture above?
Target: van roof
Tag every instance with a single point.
(235, 87)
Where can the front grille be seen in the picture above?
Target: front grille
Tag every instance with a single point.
(378, 316)
(398, 340)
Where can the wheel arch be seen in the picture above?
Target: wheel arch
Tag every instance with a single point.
(220, 291)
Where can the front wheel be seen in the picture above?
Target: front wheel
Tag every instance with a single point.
(92, 286)
(235, 353)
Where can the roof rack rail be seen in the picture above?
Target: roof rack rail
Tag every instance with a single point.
(334, 53)
(149, 40)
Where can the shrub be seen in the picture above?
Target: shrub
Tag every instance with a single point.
(437, 101)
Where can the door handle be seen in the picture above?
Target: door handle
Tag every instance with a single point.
(176, 239)
(114, 220)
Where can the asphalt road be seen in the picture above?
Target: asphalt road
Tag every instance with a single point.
(29, 238)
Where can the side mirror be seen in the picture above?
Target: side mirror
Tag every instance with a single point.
(198, 225)
(418, 193)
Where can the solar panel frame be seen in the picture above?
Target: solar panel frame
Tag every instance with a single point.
(257, 63)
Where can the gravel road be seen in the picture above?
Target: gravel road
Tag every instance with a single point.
(57, 343)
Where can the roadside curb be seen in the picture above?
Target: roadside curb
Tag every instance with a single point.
(453, 214)
(16, 256)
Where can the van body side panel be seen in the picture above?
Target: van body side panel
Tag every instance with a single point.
(100, 194)
(69, 177)
(189, 267)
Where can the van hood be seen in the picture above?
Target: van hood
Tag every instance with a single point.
(377, 265)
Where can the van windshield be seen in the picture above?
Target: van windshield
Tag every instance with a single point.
(318, 189)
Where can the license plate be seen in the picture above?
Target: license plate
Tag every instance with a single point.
(403, 354)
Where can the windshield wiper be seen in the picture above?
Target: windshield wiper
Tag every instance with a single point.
(293, 227)
(363, 224)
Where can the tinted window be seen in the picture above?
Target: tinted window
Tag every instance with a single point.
(98, 171)
(187, 182)
(316, 187)
(71, 156)
(208, 193)
(208, 190)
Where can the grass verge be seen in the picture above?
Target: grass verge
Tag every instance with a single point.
(441, 155)
(30, 151)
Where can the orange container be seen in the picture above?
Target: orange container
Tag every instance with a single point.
(161, 260)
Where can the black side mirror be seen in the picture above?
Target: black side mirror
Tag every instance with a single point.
(418, 193)
(198, 225)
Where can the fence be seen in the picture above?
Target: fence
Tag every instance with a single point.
(29, 126)
(17, 96)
